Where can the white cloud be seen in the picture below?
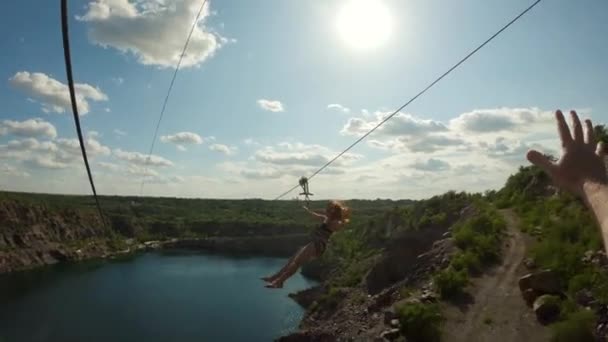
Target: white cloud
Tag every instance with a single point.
(72, 146)
(182, 138)
(140, 158)
(55, 154)
(399, 125)
(431, 164)
(28, 128)
(154, 31)
(225, 149)
(251, 142)
(302, 154)
(137, 170)
(109, 166)
(338, 107)
(55, 95)
(271, 105)
(181, 148)
(490, 121)
(9, 170)
(45, 162)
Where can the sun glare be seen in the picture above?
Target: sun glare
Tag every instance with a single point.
(364, 24)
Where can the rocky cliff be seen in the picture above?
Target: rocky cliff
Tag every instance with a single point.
(32, 235)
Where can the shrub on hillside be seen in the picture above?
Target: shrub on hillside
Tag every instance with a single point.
(450, 282)
(420, 322)
(576, 327)
(466, 261)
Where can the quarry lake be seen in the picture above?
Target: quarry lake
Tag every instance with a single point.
(162, 296)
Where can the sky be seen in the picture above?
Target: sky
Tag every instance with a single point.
(270, 90)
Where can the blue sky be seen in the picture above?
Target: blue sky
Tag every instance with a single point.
(272, 89)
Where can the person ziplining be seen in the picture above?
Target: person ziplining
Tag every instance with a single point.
(336, 216)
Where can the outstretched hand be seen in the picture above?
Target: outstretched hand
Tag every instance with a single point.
(582, 160)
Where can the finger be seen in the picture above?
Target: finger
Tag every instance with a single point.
(541, 161)
(562, 128)
(601, 150)
(577, 127)
(589, 133)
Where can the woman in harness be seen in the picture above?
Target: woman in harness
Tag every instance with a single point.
(334, 218)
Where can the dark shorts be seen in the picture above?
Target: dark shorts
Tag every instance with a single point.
(320, 237)
(320, 246)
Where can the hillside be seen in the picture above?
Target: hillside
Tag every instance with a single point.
(455, 268)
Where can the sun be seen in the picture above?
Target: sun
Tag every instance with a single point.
(364, 24)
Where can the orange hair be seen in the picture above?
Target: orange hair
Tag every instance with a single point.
(336, 210)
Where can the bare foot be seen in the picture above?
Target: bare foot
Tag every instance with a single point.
(274, 285)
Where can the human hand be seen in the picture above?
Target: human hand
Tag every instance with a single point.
(582, 160)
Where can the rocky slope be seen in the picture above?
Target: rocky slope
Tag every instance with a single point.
(364, 312)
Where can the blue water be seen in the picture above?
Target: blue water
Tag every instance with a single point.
(151, 297)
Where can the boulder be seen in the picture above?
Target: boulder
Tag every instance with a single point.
(546, 308)
(529, 263)
(395, 323)
(389, 315)
(544, 282)
(530, 296)
(390, 335)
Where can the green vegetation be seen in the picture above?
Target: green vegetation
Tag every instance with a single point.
(147, 218)
(578, 326)
(420, 322)
(565, 228)
(479, 241)
(450, 282)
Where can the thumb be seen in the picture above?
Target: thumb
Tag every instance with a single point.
(541, 161)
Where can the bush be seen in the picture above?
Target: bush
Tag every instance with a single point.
(466, 261)
(420, 322)
(577, 327)
(450, 282)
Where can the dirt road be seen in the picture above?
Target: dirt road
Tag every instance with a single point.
(496, 311)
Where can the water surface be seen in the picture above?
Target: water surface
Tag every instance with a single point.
(176, 296)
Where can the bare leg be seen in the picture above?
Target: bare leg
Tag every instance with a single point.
(276, 275)
(305, 254)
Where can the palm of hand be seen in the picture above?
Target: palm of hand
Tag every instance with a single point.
(579, 164)
(581, 161)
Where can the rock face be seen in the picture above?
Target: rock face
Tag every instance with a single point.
(399, 261)
(32, 235)
(306, 297)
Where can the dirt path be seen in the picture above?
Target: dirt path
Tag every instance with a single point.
(496, 311)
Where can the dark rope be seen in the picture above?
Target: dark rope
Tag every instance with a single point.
(417, 95)
(162, 112)
(68, 68)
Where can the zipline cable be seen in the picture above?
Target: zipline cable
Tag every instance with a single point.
(162, 112)
(416, 96)
(68, 69)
